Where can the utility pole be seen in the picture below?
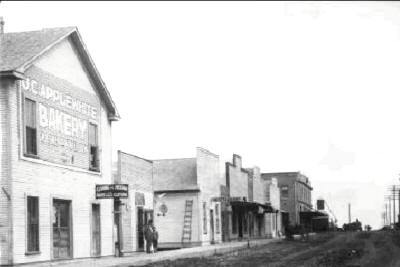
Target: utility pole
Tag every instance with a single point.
(386, 216)
(394, 204)
(390, 212)
(398, 216)
(349, 213)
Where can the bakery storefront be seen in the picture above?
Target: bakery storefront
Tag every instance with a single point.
(59, 125)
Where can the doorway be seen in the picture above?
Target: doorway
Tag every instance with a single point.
(240, 223)
(140, 225)
(96, 232)
(143, 216)
(61, 229)
(260, 222)
(212, 226)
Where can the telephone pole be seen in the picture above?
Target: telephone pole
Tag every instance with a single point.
(390, 212)
(349, 213)
(386, 216)
(394, 204)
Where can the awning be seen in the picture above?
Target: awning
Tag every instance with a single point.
(244, 204)
(320, 217)
(314, 213)
(254, 206)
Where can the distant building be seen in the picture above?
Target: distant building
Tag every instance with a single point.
(273, 219)
(244, 204)
(295, 194)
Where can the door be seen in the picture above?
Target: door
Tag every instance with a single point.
(260, 225)
(96, 234)
(140, 224)
(61, 229)
(212, 226)
(240, 223)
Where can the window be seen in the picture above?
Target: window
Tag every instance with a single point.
(32, 224)
(30, 127)
(94, 148)
(285, 191)
(217, 228)
(204, 217)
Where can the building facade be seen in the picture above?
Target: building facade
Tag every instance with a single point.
(244, 202)
(55, 135)
(186, 212)
(295, 194)
(137, 210)
(273, 219)
(178, 194)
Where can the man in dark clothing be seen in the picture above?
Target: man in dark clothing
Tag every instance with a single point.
(148, 235)
(155, 238)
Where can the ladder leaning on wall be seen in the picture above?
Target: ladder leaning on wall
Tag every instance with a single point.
(187, 223)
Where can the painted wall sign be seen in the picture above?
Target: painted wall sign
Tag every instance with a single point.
(63, 114)
(107, 191)
(227, 199)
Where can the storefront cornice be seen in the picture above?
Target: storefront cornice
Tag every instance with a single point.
(194, 190)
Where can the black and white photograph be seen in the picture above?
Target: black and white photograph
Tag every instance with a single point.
(200, 133)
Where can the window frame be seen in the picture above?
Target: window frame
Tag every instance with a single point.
(217, 218)
(91, 167)
(284, 188)
(28, 224)
(25, 143)
(205, 218)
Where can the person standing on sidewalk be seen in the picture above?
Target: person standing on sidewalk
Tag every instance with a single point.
(155, 238)
(148, 235)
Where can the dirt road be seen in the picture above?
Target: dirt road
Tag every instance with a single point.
(367, 249)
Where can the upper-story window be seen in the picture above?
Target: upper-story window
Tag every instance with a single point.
(285, 191)
(94, 164)
(30, 147)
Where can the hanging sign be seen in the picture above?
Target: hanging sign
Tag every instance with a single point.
(107, 191)
(139, 199)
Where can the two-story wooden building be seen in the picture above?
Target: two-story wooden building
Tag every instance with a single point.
(55, 146)
(295, 194)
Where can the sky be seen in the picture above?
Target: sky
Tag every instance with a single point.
(289, 86)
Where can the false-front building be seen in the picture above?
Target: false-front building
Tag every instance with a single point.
(137, 210)
(55, 136)
(246, 211)
(183, 207)
(295, 194)
(186, 213)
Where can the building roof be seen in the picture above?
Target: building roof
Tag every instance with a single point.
(18, 50)
(301, 178)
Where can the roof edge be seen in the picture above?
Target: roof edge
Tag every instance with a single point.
(13, 74)
(113, 114)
